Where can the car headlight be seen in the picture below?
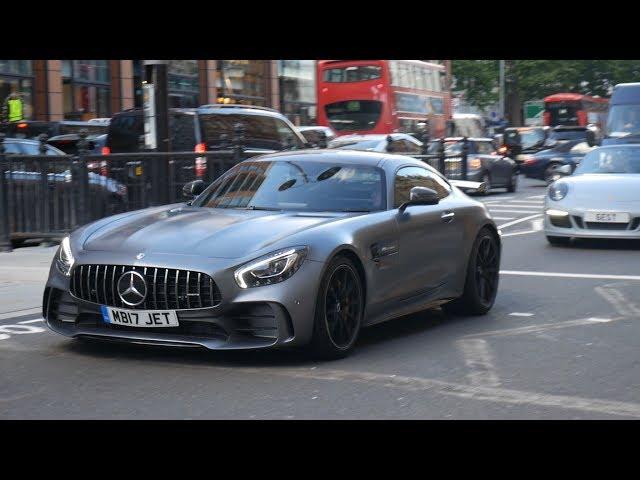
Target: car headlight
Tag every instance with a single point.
(64, 258)
(475, 163)
(558, 190)
(273, 268)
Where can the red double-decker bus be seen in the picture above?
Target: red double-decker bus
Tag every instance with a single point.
(382, 96)
(575, 109)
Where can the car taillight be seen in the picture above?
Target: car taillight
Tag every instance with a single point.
(201, 148)
(106, 151)
(530, 161)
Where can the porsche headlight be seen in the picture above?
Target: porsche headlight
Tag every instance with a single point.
(273, 268)
(64, 258)
(558, 190)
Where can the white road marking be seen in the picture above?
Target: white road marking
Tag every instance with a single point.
(537, 196)
(503, 218)
(20, 329)
(618, 301)
(472, 392)
(33, 321)
(568, 275)
(537, 224)
(20, 313)
(521, 314)
(536, 202)
(508, 332)
(524, 232)
(478, 358)
(499, 199)
(520, 220)
(504, 210)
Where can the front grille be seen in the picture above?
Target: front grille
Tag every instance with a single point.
(578, 221)
(607, 226)
(167, 288)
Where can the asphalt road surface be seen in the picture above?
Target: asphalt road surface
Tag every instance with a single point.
(561, 343)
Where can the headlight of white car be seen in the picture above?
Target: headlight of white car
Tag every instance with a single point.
(64, 258)
(273, 268)
(558, 190)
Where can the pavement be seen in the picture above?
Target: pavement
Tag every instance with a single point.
(560, 343)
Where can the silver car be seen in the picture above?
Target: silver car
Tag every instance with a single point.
(298, 248)
(600, 200)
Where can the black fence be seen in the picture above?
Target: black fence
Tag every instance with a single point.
(47, 196)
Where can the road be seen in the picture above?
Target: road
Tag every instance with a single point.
(560, 343)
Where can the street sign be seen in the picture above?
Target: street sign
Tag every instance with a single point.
(149, 107)
(533, 112)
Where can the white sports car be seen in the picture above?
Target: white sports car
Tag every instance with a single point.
(600, 200)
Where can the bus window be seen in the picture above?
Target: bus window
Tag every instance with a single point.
(354, 114)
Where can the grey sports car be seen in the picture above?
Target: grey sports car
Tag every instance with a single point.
(600, 200)
(289, 249)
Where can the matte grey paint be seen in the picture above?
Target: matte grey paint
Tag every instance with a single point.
(425, 265)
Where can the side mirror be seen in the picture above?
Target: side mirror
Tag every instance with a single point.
(565, 170)
(591, 138)
(193, 189)
(421, 196)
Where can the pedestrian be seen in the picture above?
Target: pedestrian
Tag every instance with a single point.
(12, 108)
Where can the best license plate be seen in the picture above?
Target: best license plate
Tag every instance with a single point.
(139, 318)
(606, 217)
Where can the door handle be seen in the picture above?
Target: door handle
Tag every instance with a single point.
(447, 216)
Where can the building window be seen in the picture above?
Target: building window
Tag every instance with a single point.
(16, 76)
(298, 90)
(86, 89)
(184, 84)
(241, 81)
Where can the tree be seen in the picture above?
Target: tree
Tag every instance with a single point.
(478, 79)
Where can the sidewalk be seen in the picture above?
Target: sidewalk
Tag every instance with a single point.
(23, 274)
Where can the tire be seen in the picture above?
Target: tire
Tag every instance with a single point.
(562, 241)
(486, 179)
(513, 183)
(549, 173)
(335, 330)
(476, 299)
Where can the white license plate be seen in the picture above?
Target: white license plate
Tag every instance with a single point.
(606, 217)
(139, 318)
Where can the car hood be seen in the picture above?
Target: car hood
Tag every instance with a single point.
(208, 232)
(606, 187)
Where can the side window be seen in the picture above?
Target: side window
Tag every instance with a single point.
(410, 147)
(11, 147)
(485, 148)
(287, 136)
(183, 138)
(409, 177)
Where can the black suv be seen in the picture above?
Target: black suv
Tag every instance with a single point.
(209, 127)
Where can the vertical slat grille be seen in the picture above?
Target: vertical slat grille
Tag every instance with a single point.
(169, 289)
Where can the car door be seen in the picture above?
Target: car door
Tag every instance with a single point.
(430, 237)
(499, 166)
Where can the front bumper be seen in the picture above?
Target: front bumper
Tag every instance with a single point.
(276, 315)
(574, 225)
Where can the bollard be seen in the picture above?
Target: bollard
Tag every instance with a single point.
(5, 234)
(465, 153)
(238, 140)
(441, 157)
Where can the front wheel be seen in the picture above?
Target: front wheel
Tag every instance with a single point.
(481, 282)
(487, 181)
(339, 310)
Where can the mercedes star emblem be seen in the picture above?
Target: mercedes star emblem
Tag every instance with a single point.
(132, 288)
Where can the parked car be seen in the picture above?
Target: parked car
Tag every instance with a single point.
(392, 143)
(568, 145)
(484, 163)
(34, 128)
(600, 199)
(69, 143)
(288, 249)
(317, 135)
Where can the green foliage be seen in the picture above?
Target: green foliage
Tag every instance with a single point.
(535, 79)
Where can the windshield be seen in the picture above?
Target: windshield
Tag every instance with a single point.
(560, 136)
(531, 138)
(623, 120)
(297, 185)
(450, 148)
(563, 113)
(354, 114)
(611, 160)
(355, 144)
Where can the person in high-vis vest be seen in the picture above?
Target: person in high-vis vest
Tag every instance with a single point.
(13, 108)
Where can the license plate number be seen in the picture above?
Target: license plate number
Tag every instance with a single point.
(140, 318)
(606, 217)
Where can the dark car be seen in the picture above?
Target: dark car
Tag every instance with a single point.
(34, 128)
(522, 141)
(317, 135)
(565, 146)
(484, 163)
(69, 143)
(208, 127)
